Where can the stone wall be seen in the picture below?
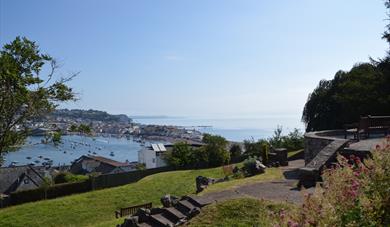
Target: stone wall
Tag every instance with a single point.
(316, 141)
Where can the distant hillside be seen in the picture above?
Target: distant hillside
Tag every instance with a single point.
(88, 115)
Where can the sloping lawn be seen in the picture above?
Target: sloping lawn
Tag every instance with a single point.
(97, 208)
(240, 212)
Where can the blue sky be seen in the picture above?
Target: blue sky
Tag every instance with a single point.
(219, 58)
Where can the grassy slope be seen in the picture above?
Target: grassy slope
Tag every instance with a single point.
(239, 212)
(97, 208)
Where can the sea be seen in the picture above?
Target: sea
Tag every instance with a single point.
(232, 128)
(126, 149)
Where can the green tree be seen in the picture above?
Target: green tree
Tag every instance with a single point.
(364, 90)
(258, 148)
(216, 150)
(253, 148)
(181, 155)
(56, 137)
(277, 139)
(85, 129)
(24, 92)
(73, 128)
(235, 151)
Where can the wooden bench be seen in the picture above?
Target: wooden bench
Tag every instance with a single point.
(378, 124)
(367, 125)
(127, 211)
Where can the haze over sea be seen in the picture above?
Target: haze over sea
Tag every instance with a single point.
(232, 128)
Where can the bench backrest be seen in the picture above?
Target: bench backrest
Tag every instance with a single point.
(133, 209)
(379, 121)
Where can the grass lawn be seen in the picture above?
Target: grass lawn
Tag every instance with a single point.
(97, 208)
(240, 212)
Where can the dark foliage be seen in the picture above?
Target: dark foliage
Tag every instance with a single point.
(364, 90)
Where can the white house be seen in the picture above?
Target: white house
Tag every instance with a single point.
(152, 156)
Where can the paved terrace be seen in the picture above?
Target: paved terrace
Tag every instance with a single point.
(282, 190)
(365, 144)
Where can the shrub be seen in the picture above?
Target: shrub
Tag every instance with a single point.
(258, 149)
(66, 177)
(251, 166)
(353, 194)
(293, 141)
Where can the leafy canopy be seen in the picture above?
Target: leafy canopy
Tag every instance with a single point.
(24, 92)
(364, 90)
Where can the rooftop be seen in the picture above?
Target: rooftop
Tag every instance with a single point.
(108, 161)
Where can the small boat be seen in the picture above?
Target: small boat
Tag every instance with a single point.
(40, 156)
(28, 157)
(37, 161)
(94, 152)
(112, 154)
(46, 159)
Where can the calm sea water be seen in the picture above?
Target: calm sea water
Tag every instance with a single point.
(73, 147)
(234, 129)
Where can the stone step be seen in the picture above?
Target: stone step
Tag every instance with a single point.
(145, 224)
(184, 206)
(174, 213)
(197, 201)
(160, 220)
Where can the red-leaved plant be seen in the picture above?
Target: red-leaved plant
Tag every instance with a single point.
(353, 193)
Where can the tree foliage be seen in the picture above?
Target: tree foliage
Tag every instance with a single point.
(235, 151)
(181, 155)
(24, 92)
(216, 150)
(213, 153)
(364, 90)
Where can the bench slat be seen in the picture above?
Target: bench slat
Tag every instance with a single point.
(127, 211)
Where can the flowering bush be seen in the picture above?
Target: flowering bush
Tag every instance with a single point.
(354, 193)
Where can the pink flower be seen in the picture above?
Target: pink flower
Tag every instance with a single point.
(292, 224)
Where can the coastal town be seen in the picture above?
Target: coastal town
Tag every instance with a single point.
(194, 113)
(102, 123)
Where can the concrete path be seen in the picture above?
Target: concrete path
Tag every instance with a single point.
(281, 190)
